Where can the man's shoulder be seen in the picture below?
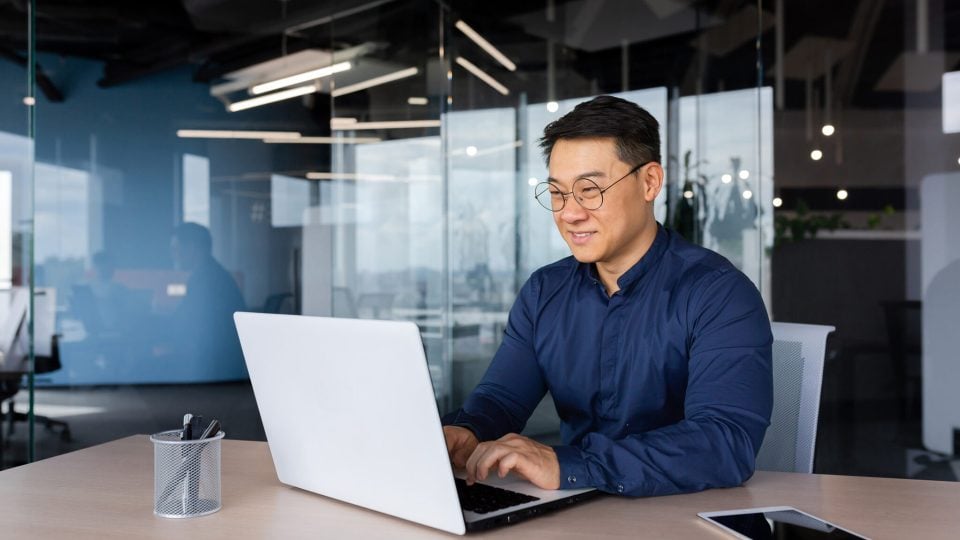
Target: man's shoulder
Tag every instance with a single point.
(696, 262)
(553, 276)
(557, 270)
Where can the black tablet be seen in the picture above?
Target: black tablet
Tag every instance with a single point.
(777, 522)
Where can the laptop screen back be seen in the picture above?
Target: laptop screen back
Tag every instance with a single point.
(349, 412)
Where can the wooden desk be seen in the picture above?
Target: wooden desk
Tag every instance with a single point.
(107, 492)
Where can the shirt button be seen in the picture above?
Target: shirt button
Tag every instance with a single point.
(619, 488)
(572, 479)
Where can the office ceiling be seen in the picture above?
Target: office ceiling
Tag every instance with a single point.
(684, 43)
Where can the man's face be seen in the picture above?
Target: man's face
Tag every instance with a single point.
(185, 256)
(613, 234)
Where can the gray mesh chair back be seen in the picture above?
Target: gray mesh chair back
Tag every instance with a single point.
(798, 353)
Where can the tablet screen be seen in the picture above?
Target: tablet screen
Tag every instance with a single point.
(780, 524)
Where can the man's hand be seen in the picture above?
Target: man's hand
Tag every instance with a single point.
(461, 442)
(529, 459)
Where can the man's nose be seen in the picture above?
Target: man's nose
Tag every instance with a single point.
(572, 211)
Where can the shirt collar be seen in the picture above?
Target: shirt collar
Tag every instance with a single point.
(638, 270)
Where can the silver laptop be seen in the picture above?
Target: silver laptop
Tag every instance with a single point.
(347, 403)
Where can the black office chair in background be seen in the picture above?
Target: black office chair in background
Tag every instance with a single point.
(41, 365)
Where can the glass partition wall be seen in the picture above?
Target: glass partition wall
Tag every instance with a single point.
(376, 159)
(18, 71)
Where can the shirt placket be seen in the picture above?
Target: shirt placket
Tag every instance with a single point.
(610, 357)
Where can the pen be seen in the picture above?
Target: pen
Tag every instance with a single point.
(187, 433)
(196, 426)
(212, 429)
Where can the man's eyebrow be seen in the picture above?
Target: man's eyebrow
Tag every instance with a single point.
(590, 174)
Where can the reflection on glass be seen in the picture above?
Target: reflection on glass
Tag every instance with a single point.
(731, 177)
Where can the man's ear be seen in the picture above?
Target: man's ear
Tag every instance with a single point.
(652, 177)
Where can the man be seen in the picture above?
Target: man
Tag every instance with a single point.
(657, 352)
(203, 327)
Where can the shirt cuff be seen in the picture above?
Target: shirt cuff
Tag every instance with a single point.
(573, 468)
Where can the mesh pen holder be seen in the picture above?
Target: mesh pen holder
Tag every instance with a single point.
(186, 475)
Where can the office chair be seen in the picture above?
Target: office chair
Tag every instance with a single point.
(41, 365)
(46, 360)
(798, 354)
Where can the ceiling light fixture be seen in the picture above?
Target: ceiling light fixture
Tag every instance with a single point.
(399, 124)
(376, 81)
(726, 178)
(349, 176)
(311, 75)
(828, 129)
(747, 194)
(324, 140)
(485, 45)
(816, 155)
(777, 202)
(744, 174)
(272, 98)
(482, 75)
(225, 134)
(553, 106)
(413, 100)
(373, 177)
(842, 194)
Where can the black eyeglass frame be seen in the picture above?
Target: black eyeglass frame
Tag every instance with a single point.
(547, 185)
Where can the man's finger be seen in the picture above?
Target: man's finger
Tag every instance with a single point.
(509, 462)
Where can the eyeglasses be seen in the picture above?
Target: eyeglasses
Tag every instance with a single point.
(587, 193)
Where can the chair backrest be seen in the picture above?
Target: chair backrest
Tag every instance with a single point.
(798, 353)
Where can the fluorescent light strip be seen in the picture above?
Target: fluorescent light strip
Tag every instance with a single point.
(299, 78)
(482, 75)
(372, 177)
(223, 134)
(400, 124)
(417, 100)
(485, 45)
(272, 98)
(325, 140)
(349, 176)
(376, 81)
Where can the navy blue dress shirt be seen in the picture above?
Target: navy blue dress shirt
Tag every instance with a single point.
(664, 387)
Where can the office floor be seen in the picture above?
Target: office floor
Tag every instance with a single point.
(866, 437)
(100, 414)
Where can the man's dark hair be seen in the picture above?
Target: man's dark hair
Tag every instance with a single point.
(194, 234)
(636, 132)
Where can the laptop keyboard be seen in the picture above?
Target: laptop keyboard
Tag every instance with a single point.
(482, 499)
